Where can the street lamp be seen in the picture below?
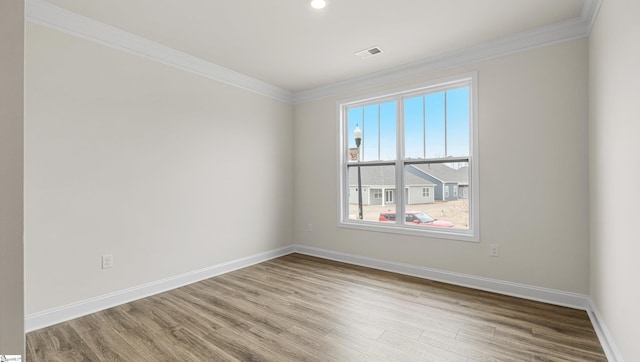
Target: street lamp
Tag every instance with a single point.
(357, 134)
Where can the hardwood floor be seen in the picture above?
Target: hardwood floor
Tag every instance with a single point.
(301, 308)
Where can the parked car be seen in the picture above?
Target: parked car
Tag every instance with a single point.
(416, 217)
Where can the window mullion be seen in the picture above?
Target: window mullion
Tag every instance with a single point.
(379, 138)
(438, 160)
(361, 151)
(446, 150)
(400, 152)
(424, 126)
(344, 171)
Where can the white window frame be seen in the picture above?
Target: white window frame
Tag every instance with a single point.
(473, 232)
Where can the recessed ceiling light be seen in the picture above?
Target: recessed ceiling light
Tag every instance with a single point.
(318, 4)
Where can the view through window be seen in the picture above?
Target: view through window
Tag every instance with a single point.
(411, 154)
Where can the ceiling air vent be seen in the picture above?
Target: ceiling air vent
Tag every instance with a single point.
(368, 53)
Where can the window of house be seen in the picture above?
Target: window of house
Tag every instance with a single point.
(397, 141)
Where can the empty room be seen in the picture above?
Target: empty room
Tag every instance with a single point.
(308, 180)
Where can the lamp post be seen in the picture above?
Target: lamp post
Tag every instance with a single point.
(357, 134)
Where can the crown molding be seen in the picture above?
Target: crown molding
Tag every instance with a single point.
(572, 29)
(590, 13)
(43, 13)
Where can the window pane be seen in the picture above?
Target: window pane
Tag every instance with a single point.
(435, 121)
(424, 126)
(458, 122)
(354, 118)
(388, 131)
(370, 145)
(378, 191)
(414, 127)
(437, 124)
(378, 126)
(437, 195)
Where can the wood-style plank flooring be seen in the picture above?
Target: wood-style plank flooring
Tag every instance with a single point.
(301, 308)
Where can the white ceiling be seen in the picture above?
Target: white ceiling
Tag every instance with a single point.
(288, 44)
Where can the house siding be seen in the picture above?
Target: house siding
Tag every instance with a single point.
(416, 195)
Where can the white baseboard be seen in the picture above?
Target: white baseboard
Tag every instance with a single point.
(74, 310)
(573, 300)
(606, 340)
(552, 296)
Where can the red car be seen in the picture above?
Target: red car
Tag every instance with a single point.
(416, 217)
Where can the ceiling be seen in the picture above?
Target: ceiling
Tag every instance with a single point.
(288, 44)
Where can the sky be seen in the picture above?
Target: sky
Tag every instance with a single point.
(424, 126)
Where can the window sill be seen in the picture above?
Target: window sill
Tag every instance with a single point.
(459, 235)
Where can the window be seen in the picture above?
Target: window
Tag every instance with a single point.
(402, 141)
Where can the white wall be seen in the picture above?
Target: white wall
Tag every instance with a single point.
(11, 176)
(614, 56)
(533, 176)
(168, 171)
(416, 195)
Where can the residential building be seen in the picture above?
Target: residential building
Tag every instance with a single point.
(378, 187)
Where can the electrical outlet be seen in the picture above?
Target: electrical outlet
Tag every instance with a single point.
(494, 250)
(107, 261)
(310, 228)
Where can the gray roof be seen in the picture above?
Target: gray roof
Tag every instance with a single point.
(383, 176)
(445, 173)
(463, 174)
